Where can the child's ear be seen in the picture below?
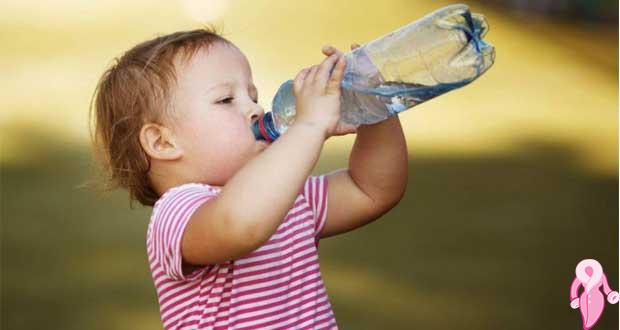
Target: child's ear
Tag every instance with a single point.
(159, 142)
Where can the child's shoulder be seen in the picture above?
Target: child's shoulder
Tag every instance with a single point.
(185, 192)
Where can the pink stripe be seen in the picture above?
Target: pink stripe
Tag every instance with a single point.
(309, 192)
(288, 219)
(238, 296)
(212, 303)
(323, 205)
(185, 206)
(185, 289)
(176, 232)
(287, 246)
(215, 303)
(197, 296)
(175, 239)
(188, 325)
(275, 264)
(163, 224)
(312, 284)
(315, 200)
(296, 304)
(253, 307)
(283, 318)
(303, 248)
(177, 203)
(201, 310)
(301, 227)
(331, 324)
(171, 315)
(309, 317)
(317, 203)
(272, 243)
(172, 300)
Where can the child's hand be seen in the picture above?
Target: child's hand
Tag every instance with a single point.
(318, 96)
(341, 129)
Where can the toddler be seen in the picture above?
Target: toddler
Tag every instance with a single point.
(233, 236)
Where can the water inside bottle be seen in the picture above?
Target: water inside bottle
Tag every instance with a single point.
(383, 83)
(371, 105)
(429, 57)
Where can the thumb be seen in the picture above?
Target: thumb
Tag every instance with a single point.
(344, 129)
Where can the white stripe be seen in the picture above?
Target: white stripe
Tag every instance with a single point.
(278, 252)
(182, 315)
(303, 217)
(176, 299)
(271, 245)
(171, 284)
(291, 320)
(185, 304)
(319, 202)
(281, 270)
(287, 313)
(277, 281)
(165, 250)
(284, 228)
(318, 318)
(277, 245)
(307, 284)
(278, 307)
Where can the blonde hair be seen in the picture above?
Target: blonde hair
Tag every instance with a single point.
(137, 89)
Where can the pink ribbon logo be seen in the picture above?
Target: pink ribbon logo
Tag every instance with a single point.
(590, 276)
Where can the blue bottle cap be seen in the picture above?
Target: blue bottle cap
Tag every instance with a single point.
(264, 129)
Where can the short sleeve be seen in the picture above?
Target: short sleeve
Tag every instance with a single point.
(315, 192)
(170, 216)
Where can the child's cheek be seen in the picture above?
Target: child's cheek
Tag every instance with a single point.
(228, 134)
(231, 127)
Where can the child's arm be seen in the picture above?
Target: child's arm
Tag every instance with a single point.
(375, 181)
(254, 201)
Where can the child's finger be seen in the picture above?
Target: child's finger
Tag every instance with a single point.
(329, 50)
(354, 45)
(333, 85)
(298, 82)
(312, 73)
(323, 74)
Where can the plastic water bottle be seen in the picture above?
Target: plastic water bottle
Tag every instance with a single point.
(440, 52)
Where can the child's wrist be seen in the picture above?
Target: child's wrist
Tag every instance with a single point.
(315, 126)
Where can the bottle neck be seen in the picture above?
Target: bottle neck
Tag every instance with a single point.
(264, 128)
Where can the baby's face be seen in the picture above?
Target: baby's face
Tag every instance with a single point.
(215, 102)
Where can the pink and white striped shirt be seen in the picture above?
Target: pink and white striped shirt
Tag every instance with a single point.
(277, 286)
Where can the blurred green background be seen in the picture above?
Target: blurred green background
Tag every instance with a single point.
(513, 179)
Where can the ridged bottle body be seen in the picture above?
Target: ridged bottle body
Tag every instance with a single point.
(426, 58)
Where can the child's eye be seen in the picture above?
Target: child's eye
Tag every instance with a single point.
(224, 100)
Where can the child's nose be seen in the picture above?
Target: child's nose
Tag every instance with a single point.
(255, 112)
